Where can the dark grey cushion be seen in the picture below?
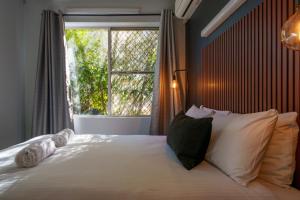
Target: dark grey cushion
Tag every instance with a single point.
(189, 139)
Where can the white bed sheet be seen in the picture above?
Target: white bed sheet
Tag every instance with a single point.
(123, 167)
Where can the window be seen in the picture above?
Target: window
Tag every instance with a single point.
(111, 71)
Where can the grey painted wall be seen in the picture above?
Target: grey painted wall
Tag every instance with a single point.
(32, 17)
(11, 73)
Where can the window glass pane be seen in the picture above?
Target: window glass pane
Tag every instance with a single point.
(87, 63)
(134, 50)
(133, 56)
(132, 94)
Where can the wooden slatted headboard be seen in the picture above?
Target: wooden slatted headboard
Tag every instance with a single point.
(247, 69)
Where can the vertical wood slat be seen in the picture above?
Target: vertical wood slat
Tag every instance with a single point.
(297, 108)
(233, 71)
(253, 63)
(284, 62)
(244, 67)
(230, 84)
(217, 75)
(226, 81)
(237, 71)
(269, 53)
(220, 77)
(256, 107)
(260, 50)
(264, 57)
(279, 57)
(274, 37)
(247, 69)
(290, 67)
(252, 66)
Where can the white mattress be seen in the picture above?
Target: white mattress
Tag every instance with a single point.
(123, 167)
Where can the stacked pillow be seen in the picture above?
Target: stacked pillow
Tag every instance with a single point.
(246, 146)
(197, 113)
(278, 164)
(243, 146)
(239, 146)
(217, 112)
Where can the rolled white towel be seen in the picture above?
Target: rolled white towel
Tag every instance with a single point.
(70, 132)
(33, 154)
(61, 138)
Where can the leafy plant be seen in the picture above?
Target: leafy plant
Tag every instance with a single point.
(89, 77)
(133, 57)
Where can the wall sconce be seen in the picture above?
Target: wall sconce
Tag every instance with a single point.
(290, 34)
(174, 79)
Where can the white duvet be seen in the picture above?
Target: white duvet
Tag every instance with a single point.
(123, 167)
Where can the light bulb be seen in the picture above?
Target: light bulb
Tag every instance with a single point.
(174, 83)
(290, 34)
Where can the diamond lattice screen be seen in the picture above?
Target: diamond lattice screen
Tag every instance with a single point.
(133, 58)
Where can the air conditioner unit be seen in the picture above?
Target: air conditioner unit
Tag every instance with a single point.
(184, 9)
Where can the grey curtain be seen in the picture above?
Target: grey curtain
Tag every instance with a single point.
(51, 109)
(166, 101)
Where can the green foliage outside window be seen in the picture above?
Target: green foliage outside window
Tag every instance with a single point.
(89, 73)
(131, 70)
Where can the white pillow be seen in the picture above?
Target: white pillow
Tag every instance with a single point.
(278, 164)
(197, 113)
(238, 145)
(217, 112)
(218, 124)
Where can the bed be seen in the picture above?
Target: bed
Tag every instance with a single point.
(123, 167)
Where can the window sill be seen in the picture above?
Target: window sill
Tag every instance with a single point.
(111, 125)
(109, 116)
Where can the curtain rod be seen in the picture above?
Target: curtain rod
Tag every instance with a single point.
(110, 15)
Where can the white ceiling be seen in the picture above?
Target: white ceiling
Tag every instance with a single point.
(145, 6)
